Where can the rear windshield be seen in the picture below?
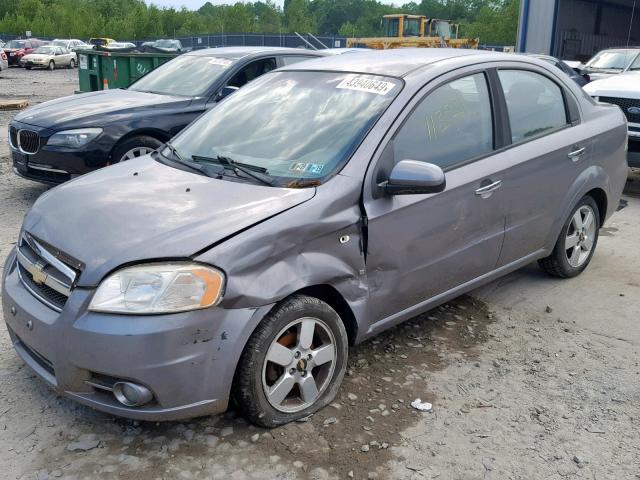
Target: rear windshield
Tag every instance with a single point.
(99, 42)
(187, 75)
(294, 125)
(15, 44)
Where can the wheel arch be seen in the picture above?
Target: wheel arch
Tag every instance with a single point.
(159, 135)
(600, 197)
(332, 297)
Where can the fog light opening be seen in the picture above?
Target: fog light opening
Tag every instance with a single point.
(131, 394)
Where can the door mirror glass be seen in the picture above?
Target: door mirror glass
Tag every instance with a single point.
(409, 177)
(226, 91)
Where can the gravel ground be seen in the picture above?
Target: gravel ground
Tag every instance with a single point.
(529, 377)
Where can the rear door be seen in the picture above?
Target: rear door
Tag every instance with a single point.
(420, 246)
(549, 148)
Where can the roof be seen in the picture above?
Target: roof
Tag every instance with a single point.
(396, 62)
(239, 52)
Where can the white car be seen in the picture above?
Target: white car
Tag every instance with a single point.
(72, 44)
(49, 56)
(622, 90)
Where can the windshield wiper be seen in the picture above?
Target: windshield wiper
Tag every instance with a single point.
(253, 171)
(204, 169)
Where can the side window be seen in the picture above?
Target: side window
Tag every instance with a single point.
(535, 103)
(452, 124)
(252, 71)
(291, 59)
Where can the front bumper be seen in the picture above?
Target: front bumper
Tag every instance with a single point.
(27, 63)
(187, 360)
(54, 165)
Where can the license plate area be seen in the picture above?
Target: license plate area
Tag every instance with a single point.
(20, 161)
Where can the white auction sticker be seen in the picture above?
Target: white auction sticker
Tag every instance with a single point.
(363, 84)
(220, 61)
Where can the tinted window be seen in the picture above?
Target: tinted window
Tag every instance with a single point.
(188, 75)
(291, 59)
(252, 71)
(452, 124)
(534, 102)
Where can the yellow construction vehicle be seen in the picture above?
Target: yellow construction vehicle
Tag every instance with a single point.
(403, 30)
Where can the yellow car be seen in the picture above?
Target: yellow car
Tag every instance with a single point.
(101, 41)
(49, 56)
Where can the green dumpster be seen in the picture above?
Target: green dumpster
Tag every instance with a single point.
(101, 70)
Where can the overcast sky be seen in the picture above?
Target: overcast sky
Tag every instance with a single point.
(195, 4)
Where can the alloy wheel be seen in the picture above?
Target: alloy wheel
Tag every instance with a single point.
(299, 365)
(135, 153)
(580, 236)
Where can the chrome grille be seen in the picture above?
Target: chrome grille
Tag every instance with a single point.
(28, 141)
(44, 272)
(625, 104)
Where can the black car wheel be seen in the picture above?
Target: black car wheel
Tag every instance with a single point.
(72, 63)
(293, 364)
(52, 65)
(135, 147)
(576, 243)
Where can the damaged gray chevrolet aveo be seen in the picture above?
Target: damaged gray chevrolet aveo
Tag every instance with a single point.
(317, 206)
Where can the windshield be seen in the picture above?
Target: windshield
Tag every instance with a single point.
(187, 75)
(16, 44)
(166, 44)
(292, 125)
(612, 60)
(48, 50)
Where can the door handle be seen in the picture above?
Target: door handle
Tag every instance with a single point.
(576, 154)
(489, 188)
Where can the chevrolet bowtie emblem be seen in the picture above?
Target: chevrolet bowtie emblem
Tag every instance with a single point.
(38, 274)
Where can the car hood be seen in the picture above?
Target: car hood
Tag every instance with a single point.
(142, 210)
(86, 107)
(622, 85)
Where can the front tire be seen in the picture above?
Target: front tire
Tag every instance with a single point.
(52, 65)
(293, 364)
(135, 147)
(72, 63)
(576, 243)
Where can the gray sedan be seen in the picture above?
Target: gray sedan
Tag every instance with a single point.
(319, 205)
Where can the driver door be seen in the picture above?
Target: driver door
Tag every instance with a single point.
(422, 246)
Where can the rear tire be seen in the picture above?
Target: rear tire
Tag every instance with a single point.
(28, 68)
(576, 243)
(135, 147)
(293, 364)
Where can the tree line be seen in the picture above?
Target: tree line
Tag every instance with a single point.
(493, 21)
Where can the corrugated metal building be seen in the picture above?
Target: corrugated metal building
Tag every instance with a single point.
(576, 29)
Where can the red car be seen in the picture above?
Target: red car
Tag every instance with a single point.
(16, 49)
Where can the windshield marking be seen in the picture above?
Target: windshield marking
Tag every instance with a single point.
(363, 84)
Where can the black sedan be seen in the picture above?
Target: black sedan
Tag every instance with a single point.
(61, 139)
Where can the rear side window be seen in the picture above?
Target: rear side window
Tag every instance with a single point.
(451, 125)
(535, 103)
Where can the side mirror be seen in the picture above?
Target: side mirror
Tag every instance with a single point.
(226, 91)
(409, 177)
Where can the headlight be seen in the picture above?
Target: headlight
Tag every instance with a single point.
(159, 288)
(74, 138)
